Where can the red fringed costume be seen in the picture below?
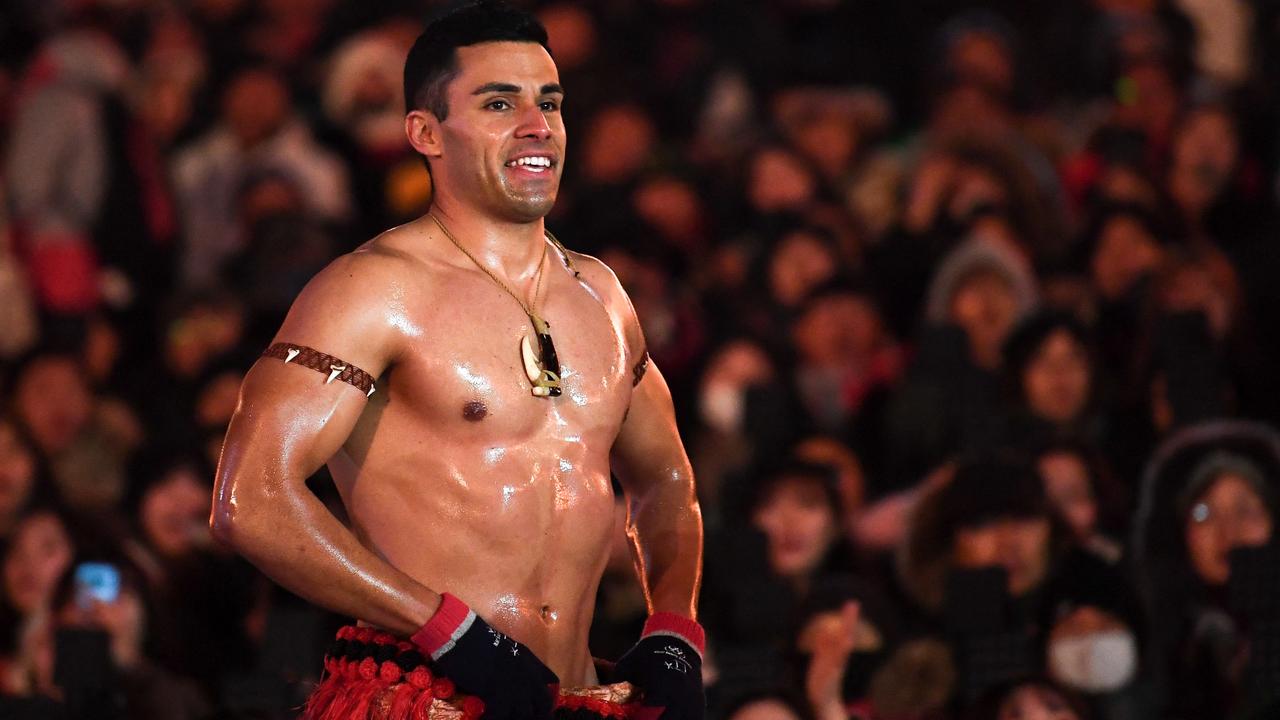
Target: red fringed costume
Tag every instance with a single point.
(371, 675)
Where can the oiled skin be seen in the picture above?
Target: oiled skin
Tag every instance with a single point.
(509, 509)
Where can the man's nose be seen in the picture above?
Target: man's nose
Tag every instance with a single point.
(533, 123)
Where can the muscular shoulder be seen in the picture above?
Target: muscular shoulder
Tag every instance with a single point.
(601, 278)
(361, 279)
(350, 308)
(596, 273)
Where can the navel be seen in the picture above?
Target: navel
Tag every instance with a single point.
(474, 411)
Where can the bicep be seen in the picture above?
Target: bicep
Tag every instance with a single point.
(291, 416)
(648, 444)
(287, 424)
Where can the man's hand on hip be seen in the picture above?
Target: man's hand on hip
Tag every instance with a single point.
(511, 680)
(666, 665)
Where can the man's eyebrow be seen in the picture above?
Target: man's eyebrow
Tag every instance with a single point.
(503, 87)
(498, 87)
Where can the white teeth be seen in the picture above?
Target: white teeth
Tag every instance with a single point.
(536, 161)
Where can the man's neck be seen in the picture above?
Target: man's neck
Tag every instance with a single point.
(511, 249)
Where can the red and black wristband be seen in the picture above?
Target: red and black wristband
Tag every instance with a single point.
(449, 623)
(677, 626)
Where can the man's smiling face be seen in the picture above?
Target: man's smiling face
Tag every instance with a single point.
(502, 143)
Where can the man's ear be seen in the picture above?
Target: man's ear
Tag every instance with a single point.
(423, 130)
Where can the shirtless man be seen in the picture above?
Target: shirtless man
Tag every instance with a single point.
(479, 495)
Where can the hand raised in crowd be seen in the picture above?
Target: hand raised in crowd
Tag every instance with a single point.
(31, 670)
(927, 192)
(830, 637)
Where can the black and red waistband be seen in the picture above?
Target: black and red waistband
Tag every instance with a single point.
(374, 675)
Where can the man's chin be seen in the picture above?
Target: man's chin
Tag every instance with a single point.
(529, 209)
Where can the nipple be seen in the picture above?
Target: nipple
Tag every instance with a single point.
(474, 411)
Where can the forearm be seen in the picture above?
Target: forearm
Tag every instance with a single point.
(294, 540)
(665, 527)
(263, 509)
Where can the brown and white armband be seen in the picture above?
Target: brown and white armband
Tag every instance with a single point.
(639, 369)
(332, 367)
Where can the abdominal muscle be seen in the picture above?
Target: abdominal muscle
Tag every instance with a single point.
(522, 538)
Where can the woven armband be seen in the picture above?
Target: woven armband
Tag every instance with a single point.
(334, 368)
(637, 372)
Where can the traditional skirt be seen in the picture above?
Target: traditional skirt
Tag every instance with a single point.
(370, 675)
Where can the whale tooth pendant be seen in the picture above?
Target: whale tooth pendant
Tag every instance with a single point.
(545, 383)
(545, 380)
(531, 367)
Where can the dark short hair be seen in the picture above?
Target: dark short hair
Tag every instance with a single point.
(821, 474)
(1029, 335)
(990, 487)
(433, 59)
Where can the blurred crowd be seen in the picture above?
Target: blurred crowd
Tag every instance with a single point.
(964, 305)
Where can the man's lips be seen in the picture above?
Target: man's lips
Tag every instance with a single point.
(534, 162)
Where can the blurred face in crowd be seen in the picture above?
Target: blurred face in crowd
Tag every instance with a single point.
(1068, 486)
(837, 330)
(967, 109)
(255, 106)
(778, 180)
(39, 552)
(673, 207)
(571, 33)
(620, 141)
(53, 401)
(1228, 515)
(1205, 284)
(174, 512)
(1205, 153)
(829, 140)
(165, 106)
(1092, 650)
(1152, 97)
(984, 306)
(1035, 702)
(797, 518)
(1019, 545)
(801, 262)
(17, 472)
(217, 400)
(101, 349)
(1207, 137)
(982, 58)
(1056, 381)
(1125, 253)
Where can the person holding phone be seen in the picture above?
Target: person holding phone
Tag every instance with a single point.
(100, 665)
(471, 385)
(1209, 490)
